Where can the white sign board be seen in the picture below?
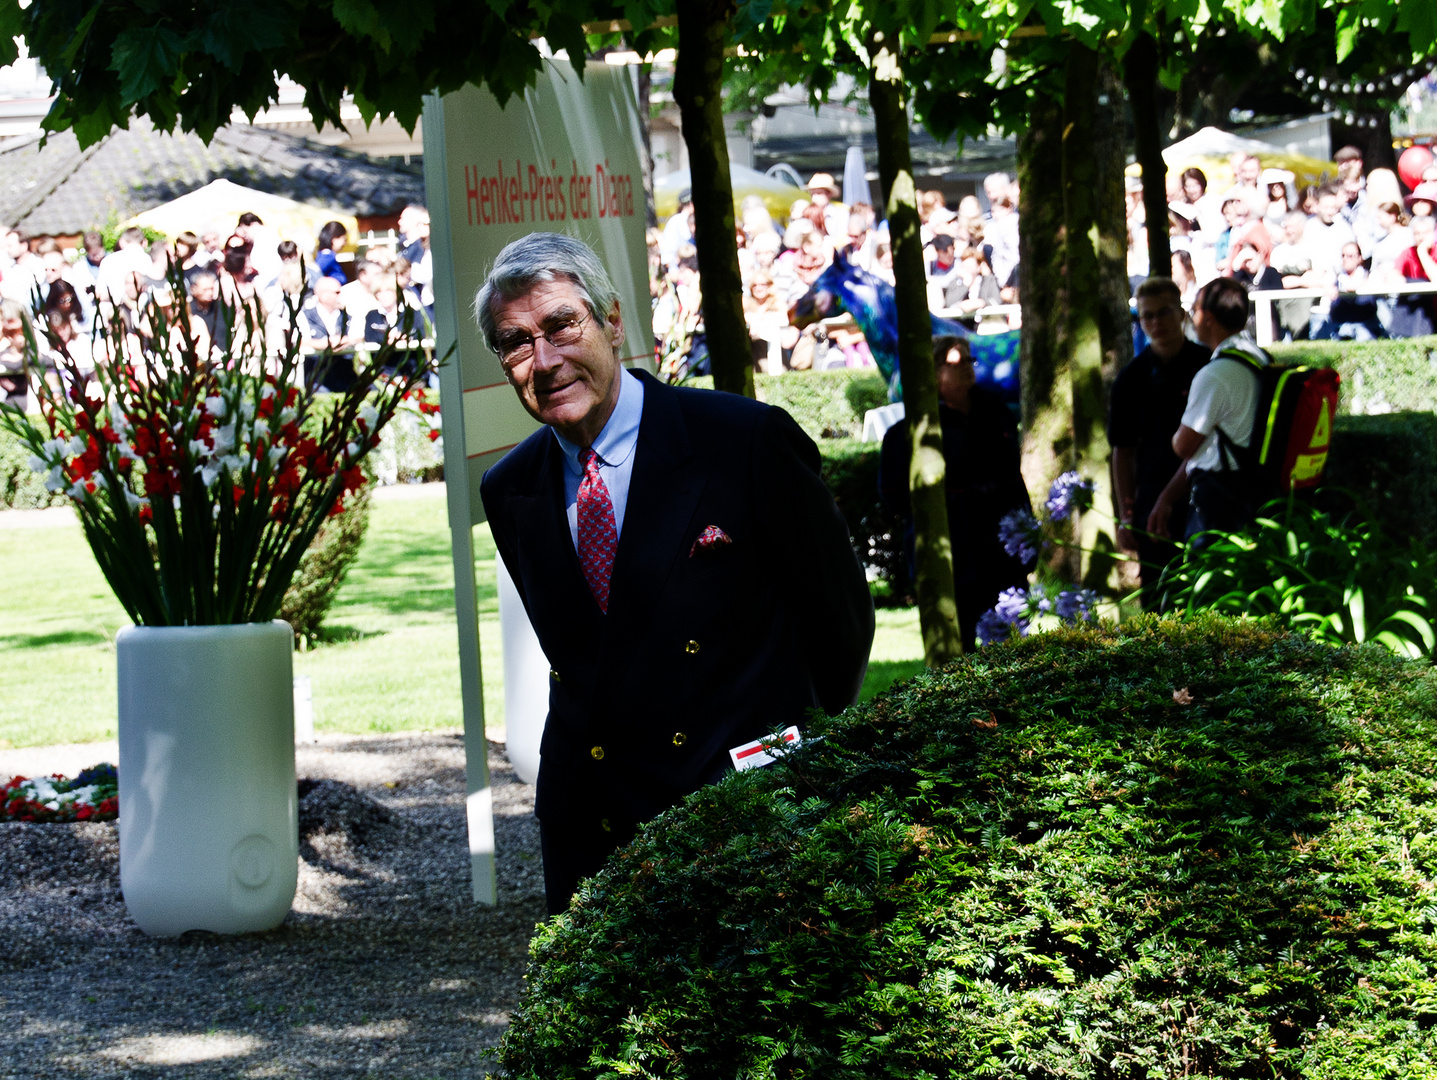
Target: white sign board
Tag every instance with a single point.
(564, 157)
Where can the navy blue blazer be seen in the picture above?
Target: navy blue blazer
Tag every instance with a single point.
(701, 650)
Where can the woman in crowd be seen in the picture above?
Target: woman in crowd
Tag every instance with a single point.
(62, 313)
(1275, 182)
(1185, 278)
(332, 239)
(1395, 238)
(1250, 259)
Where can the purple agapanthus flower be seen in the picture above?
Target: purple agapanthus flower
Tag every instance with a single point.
(1075, 605)
(1069, 492)
(1019, 533)
(1013, 609)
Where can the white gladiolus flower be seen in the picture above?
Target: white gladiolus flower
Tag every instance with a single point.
(55, 448)
(135, 501)
(98, 479)
(55, 481)
(223, 438)
(198, 448)
(175, 502)
(247, 407)
(76, 446)
(77, 490)
(215, 511)
(368, 414)
(210, 473)
(277, 453)
(215, 406)
(287, 416)
(261, 428)
(352, 450)
(266, 392)
(38, 464)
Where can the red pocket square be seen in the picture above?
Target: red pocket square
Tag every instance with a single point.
(710, 539)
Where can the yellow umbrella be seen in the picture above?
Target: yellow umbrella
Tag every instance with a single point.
(1208, 149)
(777, 195)
(218, 206)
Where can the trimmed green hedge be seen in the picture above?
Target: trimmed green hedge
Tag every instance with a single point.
(826, 404)
(850, 469)
(1390, 464)
(1161, 849)
(1396, 375)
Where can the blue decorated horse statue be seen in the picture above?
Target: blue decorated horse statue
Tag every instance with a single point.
(870, 300)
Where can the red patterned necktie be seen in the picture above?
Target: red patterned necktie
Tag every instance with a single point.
(598, 535)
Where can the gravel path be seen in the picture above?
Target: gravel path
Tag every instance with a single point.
(384, 967)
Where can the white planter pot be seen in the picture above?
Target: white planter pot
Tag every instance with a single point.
(208, 826)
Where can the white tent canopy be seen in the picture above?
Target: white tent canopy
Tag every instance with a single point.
(219, 204)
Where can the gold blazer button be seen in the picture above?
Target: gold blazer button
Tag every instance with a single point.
(680, 738)
(604, 824)
(597, 753)
(553, 675)
(691, 648)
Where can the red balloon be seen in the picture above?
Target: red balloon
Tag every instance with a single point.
(1410, 165)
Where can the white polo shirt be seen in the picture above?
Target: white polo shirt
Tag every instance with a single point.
(1224, 394)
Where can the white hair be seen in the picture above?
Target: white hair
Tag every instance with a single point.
(539, 257)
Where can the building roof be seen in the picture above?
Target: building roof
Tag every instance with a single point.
(61, 189)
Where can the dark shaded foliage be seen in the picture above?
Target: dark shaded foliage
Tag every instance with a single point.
(1165, 849)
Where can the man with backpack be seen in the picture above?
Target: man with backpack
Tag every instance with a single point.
(1217, 424)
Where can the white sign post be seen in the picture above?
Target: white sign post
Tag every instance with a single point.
(564, 157)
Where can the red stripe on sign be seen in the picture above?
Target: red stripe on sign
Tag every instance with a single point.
(788, 738)
(495, 450)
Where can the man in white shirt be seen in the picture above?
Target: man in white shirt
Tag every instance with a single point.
(131, 258)
(1326, 232)
(1218, 421)
(358, 295)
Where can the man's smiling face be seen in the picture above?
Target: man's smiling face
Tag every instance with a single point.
(572, 388)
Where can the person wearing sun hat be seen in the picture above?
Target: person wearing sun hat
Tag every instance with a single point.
(1423, 200)
(823, 192)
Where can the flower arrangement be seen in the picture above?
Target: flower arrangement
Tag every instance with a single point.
(93, 795)
(1023, 536)
(202, 471)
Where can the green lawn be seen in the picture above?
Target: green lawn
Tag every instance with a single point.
(391, 663)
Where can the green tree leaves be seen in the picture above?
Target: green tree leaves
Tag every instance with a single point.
(145, 59)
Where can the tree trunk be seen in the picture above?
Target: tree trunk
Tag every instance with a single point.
(933, 555)
(1115, 320)
(1141, 66)
(1081, 202)
(646, 146)
(698, 90)
(1047, 392)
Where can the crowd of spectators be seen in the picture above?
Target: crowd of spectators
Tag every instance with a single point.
(970, 259)
(1356, 231)
(243, 291)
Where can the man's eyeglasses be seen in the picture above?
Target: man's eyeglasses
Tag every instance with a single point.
(517, 349)
(1160, 313)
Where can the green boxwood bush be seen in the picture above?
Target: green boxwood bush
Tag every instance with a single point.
(850, 469)
(1390, 464)
(1164, 849)
(1397, 375)
(826, 404)
(323, 567)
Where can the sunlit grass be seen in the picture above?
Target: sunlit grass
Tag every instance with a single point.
(389, 661)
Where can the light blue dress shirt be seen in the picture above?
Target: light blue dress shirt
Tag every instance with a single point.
(615, 447)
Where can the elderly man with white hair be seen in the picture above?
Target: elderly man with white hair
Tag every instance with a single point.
(686, 571)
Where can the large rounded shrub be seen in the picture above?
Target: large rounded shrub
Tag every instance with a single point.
(1165, 849)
